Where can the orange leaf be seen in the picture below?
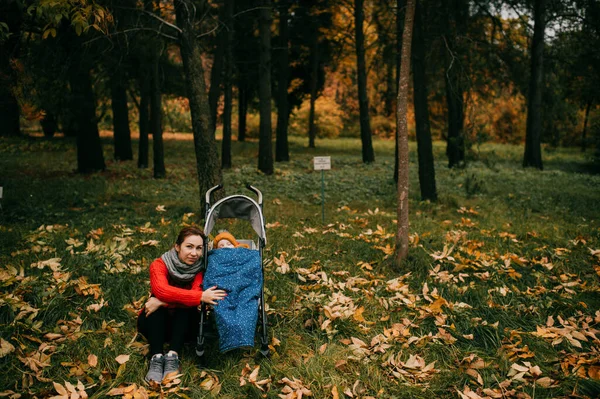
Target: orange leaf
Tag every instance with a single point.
(122, 359)
(92, 360)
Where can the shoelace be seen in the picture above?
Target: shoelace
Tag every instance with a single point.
(171, 363)
(156, 365)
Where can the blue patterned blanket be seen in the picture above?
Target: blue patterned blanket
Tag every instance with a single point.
(239, 272)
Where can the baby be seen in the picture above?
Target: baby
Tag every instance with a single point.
(226, 240)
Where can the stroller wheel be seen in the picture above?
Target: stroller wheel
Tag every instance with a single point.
(201, 361)
(264, 351)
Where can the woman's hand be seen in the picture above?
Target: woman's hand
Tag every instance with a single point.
(212, 295)
(153, 304)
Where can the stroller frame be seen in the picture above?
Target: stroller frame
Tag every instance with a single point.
(236, 207)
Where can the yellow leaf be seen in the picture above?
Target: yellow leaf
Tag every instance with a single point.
(594, 372)
(473, 373)
(92, 360)
(334, 392)
(60, 389)
(322, 348)
(5, 347)
(436, 306)
(544, 382)
(122, 359)
(358, 314)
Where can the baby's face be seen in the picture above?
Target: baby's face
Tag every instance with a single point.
(225, 244)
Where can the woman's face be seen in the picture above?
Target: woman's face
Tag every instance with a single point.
(225, 244)
(190, 250)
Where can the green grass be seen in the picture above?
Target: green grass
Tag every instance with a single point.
(521, 243)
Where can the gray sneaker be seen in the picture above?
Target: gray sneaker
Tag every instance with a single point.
(171, 366)
(155, 371)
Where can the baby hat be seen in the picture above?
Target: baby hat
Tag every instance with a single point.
(225, 236)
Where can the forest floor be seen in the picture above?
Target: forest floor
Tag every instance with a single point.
(498, 299)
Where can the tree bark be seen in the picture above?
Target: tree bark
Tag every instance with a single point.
(421, 104)
(9, 111)
(388, 59)
(122, 133)
(144, 125)
(454, 100)
(455, 25)
(265, 148)
(314, 78)
(401, 120)
(533, 145)
(228, 90)
(399, 28)
(10, 124)
(361, 68)
(585, 123)
(156, 121)
(207, 158)
(242, 110)
(216, 72)
(49, 125)
(283, 110)
(83, 106)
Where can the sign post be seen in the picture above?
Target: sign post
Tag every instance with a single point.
(322, 164)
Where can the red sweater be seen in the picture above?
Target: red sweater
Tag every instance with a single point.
(162, 289)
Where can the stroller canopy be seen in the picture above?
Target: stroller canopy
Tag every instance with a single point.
(236, 207)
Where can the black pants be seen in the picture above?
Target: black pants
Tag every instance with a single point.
(173, 325)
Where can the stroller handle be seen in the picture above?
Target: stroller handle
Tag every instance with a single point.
(210, 191)
(257, 192)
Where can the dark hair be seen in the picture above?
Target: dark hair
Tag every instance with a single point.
(189, 231)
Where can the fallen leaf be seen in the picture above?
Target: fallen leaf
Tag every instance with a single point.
(5, 347)
(122, 359)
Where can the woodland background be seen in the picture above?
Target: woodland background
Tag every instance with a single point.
(116, 116)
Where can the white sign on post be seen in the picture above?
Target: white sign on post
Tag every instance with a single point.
(322, 163)
(0, 192)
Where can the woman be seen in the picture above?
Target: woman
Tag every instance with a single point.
(176, 286)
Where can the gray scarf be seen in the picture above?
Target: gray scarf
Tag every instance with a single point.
(180, 273)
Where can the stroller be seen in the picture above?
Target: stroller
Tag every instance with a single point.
(245, 208)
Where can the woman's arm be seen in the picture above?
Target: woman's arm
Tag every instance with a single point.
(152, 305)
(161, 289)
(197, 283)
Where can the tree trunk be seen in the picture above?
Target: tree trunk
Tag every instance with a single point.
(585, 123)
(388, 59)
(283, 110)
(49, 125)
(216, 72)
(122, 133)
(144, 125)
(242, 110)
(401, 120)
(156, 121)
(226, 143)
(363, 101)
(207, 157)
(265, 148)
(454, 100)
(533, 145)
(69, 126)
(10, 124)
(454, 26)
(83, 107)
(399, 28)
(314, 80)
(9, 111)
(420, 87)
